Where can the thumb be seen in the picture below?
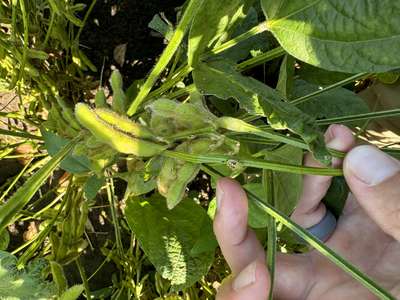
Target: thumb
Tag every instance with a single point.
(252, 283)
(374, 179)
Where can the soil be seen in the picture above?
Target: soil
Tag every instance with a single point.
(117, 22)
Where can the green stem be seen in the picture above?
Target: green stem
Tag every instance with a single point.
(85, 18)
(182, 92)
(262, 27)
(20, 134)
(167, 55)
(268, 184)
(260, 59)
(84, 277)
(234, 162)
(366, 116)
(181, 73)
(50, 28)
(330, 87)
(114, 216)
(188, 133)
(26, 37)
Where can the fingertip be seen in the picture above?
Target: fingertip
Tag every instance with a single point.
(339, 137)
(369, 166)
(253, 282)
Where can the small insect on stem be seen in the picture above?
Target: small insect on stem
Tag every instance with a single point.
(233, 164)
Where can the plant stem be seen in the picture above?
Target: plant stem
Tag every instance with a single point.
(234, 162)
(167, 55)
(268, 184)
(20, 134)
(262, 27)
(114, 216)
(182, 73)
(85, 18)
(84, 277)
(366, 116)
(260, 59)
(330, 87)
(182, 92)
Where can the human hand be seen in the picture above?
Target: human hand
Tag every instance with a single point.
(367, 233)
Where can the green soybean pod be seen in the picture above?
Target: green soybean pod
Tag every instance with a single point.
(100, 99)
(119, 102)
(124, 124)
(118, 140)
(83, 216)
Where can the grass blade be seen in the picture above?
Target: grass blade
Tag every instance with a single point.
(24, 194)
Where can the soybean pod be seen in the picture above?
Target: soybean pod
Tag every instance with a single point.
(118, 140)
(124, 124)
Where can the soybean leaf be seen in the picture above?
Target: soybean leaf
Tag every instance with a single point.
(4, 239)
(212, 22)
(255, 44)
(92, 186)
(286, 77)
(162, 27)
(348, 36)
(71, 163)
(22, 196)
(72, 293)
(137, 185)
(287, 187)
(335, 103)
(168, 236)
(320, 76)
(219, 78)
(25, 284)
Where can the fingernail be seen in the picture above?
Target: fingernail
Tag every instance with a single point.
(371, 165)
(246, 277)
(220, 194)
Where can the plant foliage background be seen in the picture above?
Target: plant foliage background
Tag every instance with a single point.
(243, 89)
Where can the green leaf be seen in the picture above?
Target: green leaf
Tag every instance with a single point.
(71, 163)
(348, 36)
(287, 186)
(137, 185)
(334, 103)
(25, 284)
(92, 186)
(286, 77)
(320, 76)
(161, 26)
(212, 22)
(255, 44)
(220, 79)
(72, 293)
(168, 236)
(24, 194)
(4, 239)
